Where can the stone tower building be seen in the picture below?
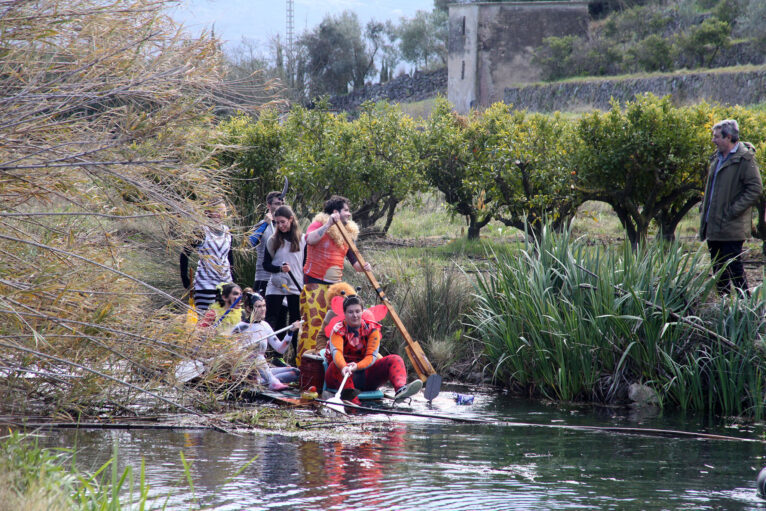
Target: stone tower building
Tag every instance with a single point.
(491, 45)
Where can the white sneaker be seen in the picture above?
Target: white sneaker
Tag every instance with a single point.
(408, 390)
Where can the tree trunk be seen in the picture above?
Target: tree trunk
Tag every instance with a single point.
(631, 228)
(475, 225)
(668, 218)
(473, 228)
(390, 217)
(667, 230)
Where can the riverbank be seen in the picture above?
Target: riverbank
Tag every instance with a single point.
(430, 279)
(528, 454)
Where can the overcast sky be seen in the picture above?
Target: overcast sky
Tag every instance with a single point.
(263, 19)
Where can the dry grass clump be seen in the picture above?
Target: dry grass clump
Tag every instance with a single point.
(105, 109)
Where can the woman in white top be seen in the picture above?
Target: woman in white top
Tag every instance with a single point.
(256, 335)
(284, 259)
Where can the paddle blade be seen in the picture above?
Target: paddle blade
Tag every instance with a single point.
(433, 387)
(187, 370)
(336, 405)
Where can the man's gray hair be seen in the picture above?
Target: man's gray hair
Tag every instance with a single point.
(729, 128)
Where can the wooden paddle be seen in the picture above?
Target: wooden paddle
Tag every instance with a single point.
(423, 367)
(335, 403)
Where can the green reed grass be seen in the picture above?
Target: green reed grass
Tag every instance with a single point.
(38, 478)
(434, 310)
(573, 322)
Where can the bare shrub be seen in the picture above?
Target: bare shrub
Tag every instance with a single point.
(104, 111)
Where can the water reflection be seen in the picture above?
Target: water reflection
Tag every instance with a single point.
(421, 464)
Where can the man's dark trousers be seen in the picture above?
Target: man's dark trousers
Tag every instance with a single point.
(722, 252)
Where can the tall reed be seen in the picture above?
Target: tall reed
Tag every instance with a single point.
(573, 322)
(33, 477)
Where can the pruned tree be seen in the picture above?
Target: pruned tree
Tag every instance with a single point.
(372, 160)
(648, 161)
(528, 155)
(449, 147)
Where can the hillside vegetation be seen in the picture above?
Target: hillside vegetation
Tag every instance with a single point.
(661, 36)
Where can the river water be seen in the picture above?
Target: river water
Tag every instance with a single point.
(416, 463)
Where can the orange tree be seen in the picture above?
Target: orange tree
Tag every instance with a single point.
(372, 160)
(527, 159)
(647, 161)
(253, 152)
(451, 149)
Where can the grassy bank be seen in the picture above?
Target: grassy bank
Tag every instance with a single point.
(568, 321)
(35, 478)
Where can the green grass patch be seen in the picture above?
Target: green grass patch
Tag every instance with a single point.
(424, 216)
(32, 477)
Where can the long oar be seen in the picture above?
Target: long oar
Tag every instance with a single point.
(423, 367)
(295, 281)
(335, 403)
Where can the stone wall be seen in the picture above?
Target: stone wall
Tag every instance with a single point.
(726, 87)
(404, 88)
(491, 45)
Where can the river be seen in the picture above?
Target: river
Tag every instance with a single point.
(417, 463)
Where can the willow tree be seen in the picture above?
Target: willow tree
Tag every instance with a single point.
(104, 106)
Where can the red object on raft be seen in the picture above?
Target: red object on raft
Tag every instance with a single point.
(312, 371)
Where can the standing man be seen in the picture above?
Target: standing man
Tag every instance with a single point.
(326, 252)
(733, 186)
(262, 233)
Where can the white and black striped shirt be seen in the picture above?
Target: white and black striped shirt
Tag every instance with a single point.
(213, 266)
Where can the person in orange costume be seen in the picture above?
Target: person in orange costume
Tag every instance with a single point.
(325, 255)
(354, 351)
